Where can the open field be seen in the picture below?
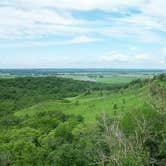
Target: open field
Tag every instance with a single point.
(108, 76)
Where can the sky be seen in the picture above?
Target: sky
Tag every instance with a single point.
(83, 34)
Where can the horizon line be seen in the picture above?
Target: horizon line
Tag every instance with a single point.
(78, 68)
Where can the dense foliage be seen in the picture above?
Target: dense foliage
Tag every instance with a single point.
(54, 138)
(19, 92)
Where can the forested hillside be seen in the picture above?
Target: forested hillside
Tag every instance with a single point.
(50, 121)
(16, 93)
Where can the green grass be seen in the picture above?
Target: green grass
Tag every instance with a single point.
(108, 78)
(115, 80)
(90, 106)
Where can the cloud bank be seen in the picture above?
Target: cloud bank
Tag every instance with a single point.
(108, 25)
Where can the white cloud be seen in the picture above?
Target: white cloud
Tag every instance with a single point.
(142, 57)
(74, 40)
(27, 19)
(83, 39)
(154, 8)
(72, 4)
(135, 59)
(144, 21)
(115, 56)
(163, 53)
(19, 23)
(33, 62)
(164, 50)
(139, 27)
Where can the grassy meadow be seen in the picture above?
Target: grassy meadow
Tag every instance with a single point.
(89, 106)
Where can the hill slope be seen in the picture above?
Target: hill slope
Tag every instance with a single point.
(82, 123)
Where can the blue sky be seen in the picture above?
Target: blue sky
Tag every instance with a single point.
(83, 34)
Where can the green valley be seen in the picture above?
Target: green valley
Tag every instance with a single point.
(54, 121)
